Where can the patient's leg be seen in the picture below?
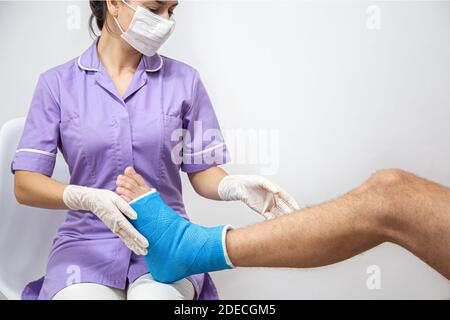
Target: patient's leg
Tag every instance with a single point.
(392, 205)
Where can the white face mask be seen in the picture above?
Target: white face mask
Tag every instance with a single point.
(147, 31)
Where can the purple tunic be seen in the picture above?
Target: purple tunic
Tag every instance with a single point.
(77, 109)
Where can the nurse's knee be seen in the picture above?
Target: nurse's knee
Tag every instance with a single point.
(89, 291)
(146, 288)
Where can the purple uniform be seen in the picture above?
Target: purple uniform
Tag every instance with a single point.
(77, 109)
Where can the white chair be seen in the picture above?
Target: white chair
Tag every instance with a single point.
(26, 233)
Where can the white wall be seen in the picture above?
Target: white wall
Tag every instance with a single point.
(343, 99)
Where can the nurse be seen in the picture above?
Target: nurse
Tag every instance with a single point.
(121, 104)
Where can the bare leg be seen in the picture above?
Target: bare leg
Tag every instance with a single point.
(392, 205)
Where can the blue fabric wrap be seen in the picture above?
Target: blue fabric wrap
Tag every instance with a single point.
(177, 247)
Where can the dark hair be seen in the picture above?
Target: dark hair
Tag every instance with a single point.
(99, 12)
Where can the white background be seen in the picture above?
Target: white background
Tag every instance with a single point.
(345, 101)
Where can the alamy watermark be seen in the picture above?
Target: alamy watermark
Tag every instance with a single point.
(373, 21)
(197, 146)
(73, 274)
(373, 281)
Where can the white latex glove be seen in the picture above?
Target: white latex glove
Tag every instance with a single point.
(258, 193)
(110, 208)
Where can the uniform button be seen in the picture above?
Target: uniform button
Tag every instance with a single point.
(113, 122)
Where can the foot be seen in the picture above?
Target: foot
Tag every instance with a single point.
(131, 185)
(178, 248)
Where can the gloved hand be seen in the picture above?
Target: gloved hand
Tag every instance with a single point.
(258, 193)
(110, 208)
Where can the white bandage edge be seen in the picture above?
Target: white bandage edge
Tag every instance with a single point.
(153, 190)
(224, 244)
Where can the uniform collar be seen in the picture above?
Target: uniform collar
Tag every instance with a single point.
(89, 60)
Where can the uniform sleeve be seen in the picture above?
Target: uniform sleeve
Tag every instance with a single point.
(38, 144)
(203, 142)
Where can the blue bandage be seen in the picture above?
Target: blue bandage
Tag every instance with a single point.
(177, 247)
